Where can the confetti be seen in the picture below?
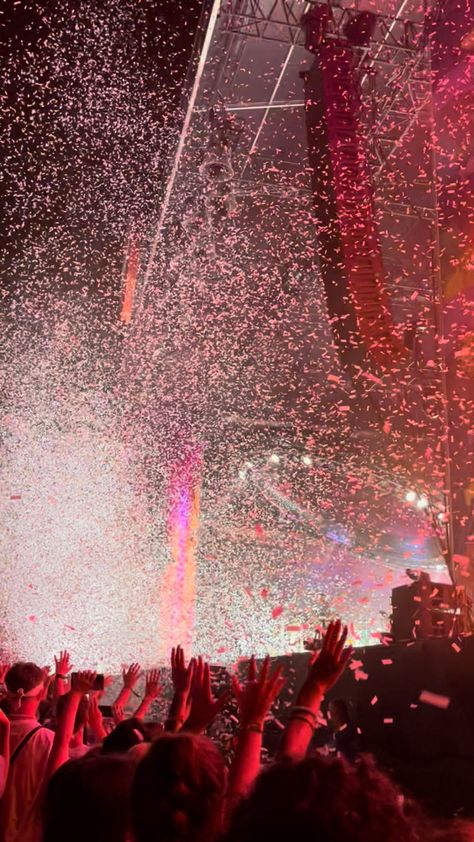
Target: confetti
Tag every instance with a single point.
(434, 699)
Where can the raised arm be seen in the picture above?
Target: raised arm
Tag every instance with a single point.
(95, 719)
(182, 677)
(82, 683)
(254, 700)
(63, 667)
(204, 707)
(130, 676)
(152, 691)
(324, 669)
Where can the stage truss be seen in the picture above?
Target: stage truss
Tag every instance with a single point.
(248, 38)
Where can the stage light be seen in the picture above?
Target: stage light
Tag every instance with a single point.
(422, 503)
(410, 496)
(467, 42)
(274, 459)
(306, 460)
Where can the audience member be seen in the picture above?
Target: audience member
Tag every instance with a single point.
(35, 751)
(30, 747)
(89, 799)
(125, 735)
(140, 784)
(347, 740)
(178, 791)
(325, 800)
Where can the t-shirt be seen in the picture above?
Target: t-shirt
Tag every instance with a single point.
(20, 805)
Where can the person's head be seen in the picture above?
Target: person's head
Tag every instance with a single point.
(322, 799)
(178, 791)
(25, 683)
(88, 800)
(338, 713)
(125, 735)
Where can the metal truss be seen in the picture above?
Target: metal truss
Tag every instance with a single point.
(395, 80)
(249, 188)
(280, 20)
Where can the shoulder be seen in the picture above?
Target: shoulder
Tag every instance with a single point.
(43, 737)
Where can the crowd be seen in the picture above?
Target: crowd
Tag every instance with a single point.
(67, 773)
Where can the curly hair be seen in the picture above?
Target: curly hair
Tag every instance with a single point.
(322, 799)
(178, 791)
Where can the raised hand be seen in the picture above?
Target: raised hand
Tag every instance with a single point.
(63, 664)
(180, 675)
(204, 708)
(152, 684)
(83, 682)
(117, 714)
(3, 671)
(131, 675)
(326, 666)
(257, 696)
(95, 718)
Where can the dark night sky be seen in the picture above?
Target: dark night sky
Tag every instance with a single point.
(90, 90)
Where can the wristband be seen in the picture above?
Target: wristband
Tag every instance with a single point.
(61, 677)
(305, 710)
(254, 727)
(304, 719)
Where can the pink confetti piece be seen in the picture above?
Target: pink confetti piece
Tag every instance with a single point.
(434, 699)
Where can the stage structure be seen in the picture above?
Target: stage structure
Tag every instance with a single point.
(234, 263)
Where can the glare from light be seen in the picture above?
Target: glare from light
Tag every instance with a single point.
(410, 496)
(306, 460)
(274, 459)
(242, 474)
(422, 503)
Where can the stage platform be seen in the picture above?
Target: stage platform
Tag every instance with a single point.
(414, 704)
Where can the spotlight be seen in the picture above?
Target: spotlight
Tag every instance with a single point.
(410, 496)
(274, 459)
(306, 460)
(422, 503)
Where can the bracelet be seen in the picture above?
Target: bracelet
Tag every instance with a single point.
(303, 709)
(254, 727)
(304, 719)
(61, 677)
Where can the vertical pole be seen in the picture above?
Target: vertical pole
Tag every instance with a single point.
(438, 314)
